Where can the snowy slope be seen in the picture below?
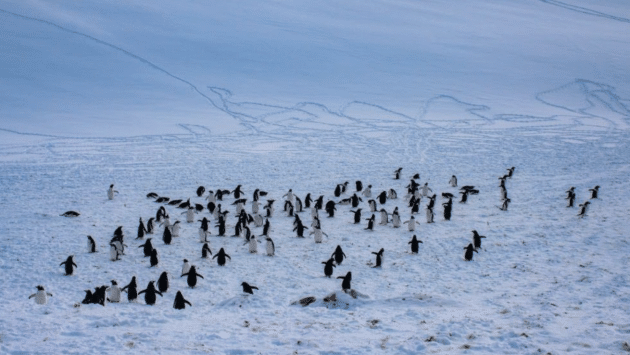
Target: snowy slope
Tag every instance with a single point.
(296, 96)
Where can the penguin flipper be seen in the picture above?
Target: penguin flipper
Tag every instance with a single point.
(31, 296)
(188, 303)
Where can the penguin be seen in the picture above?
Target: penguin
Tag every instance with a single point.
(391, 194)
(132, 290)
(150, 225)
(288, 207)
(203, 230)
(114, 292)
(299, 228)
(594, 191)
(372, 204)
(114, 253)
(415, 207)
(99, 295)
(314, 212)
(68, 265)
(382, 197)
(221, 226)
(221, 255)
(583, 208)
(91, 244)
(397, 173)
(111, 192)
(237, 192)
(338, 190)
(205, 250)
(425, 189)
(330, 208)
(357, 216)
(570, 196)
(41, 296)
(307, 201)
(89, 297)
(469, 252)
(149, 294)
(162, 282)
(429, 215)
(247, 288)
(154, 257)
(258, 220)
(270, 247)
(318, 235)
(190, 214)
(464, 196)
(316, 223)
(258, 193)
(411, 224)
(379, 258)
(266, 228)
(396, 218)
(255, 207)
(448, 208)
(384, 217)
(338, 254)
(289, 195)
(299, 207)
(175, 202)
(504, 206)
(328, 267)
(453, 181)
(367, 192)
(370, 225)
(175, 229)
(180, 302)
(414, 244)
(447, 195)
(269, 208)
(253, 245)
(344, 186)
(70, 214)
(510, 172)
(161, 200)
(431, 202)
(167, 236)
(185, 267)
(477, 239)
(319, 203)
(184, 204)
(148, 247)
(192, 276)
(359, 185)
(142, 230)
(345, 284)
(152, 195)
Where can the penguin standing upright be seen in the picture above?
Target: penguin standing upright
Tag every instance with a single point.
(448, 208)
(237, 192)
(328, 268)
(185, 267)
(468, 255)
(91, 244)
(396, 218)
(415, 243)
(411, 223)
(114, 253)
(163, 282)
(318, 235)
(453, 181)
(307, 201)
(345, 284)
(149, 294)
(429, 215)
(269, 208)
(253, 245)
(221, 255)
(175, 229)
(150, 225)
(397, 173)
(384, 217)
(338, 254)
(247, 288)
(148, 247)
(205, 250)
(594, 191)
(358, 185)
(167, 237)
(382, 197)
(367, 192)
(504, 205)
(477, 239)
(114, 292)
(270, 248)
(372, 204)
(180, 302)
(204, 230)
(69, 263)
(200, 191)
(583, 208)
(41, 296)
(132, 290)
(330, 208)
(154, 258)
(379, 258)
(111, 192)
(192, 276)
(570, 196)
(370, 225)
(357, 216)
(190, 215)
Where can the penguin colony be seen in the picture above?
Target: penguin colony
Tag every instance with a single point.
(260, 218)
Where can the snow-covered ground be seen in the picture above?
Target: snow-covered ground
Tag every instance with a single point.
(167, 97)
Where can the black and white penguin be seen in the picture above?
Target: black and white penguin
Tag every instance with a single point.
(468, 255)
(414, 244)
(185, 266)
(319, 203)
(91, 244)
(154, 258)
(354, 200)
(41, 296)
(247, 288)
(289, 195)
(184, 204)
(253, 245)
(192, 276)
(338, 190)
(152, 195)
(477, 239)
(453, 181)
(132, 290)
(221, 255)
(430, 215)
(510, 172)
(148, 247)
(318, 235)
(345, 284)
(150, 225)
(175, 229)
(114, 252)
(359, 185)
(205, 250)
(372, 204)
(379, 258)
(221, 226)
(270, 247)
(204, 231)
(357, 216)
(200, 191)
(505, 204)
(161, 199)
(160, 214)
(370, 225)
(258, 193)
(330, 208)
(269, 208)
(392, 194)
(338, 254)
(190, 214)
(396, 223)
(167, 236)
(382, 197)
(367, 192)
(583, 208)
(594, 191)
(411, 223)
(299, 206)
(111, 192)
(307, 201)
(570, 196)
(448, 208)
(175, 202)
(431, 202)
(300, 228)
(384, 217)
(397, 173)
(328, 267)
(237, 192)
(142, 230)
(69, 263)
(266, 228)
(149, 294)
(464, 196)
(99, 295)
(180, 302)
(114, 292)
(163, 282)
(89, 297)
(70, 214)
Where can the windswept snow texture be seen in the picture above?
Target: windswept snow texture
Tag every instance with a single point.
(167, 96)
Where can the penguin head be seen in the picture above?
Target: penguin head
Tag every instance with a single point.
(185, 260)
(114, 283)
(40, 287)
(112, 185)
